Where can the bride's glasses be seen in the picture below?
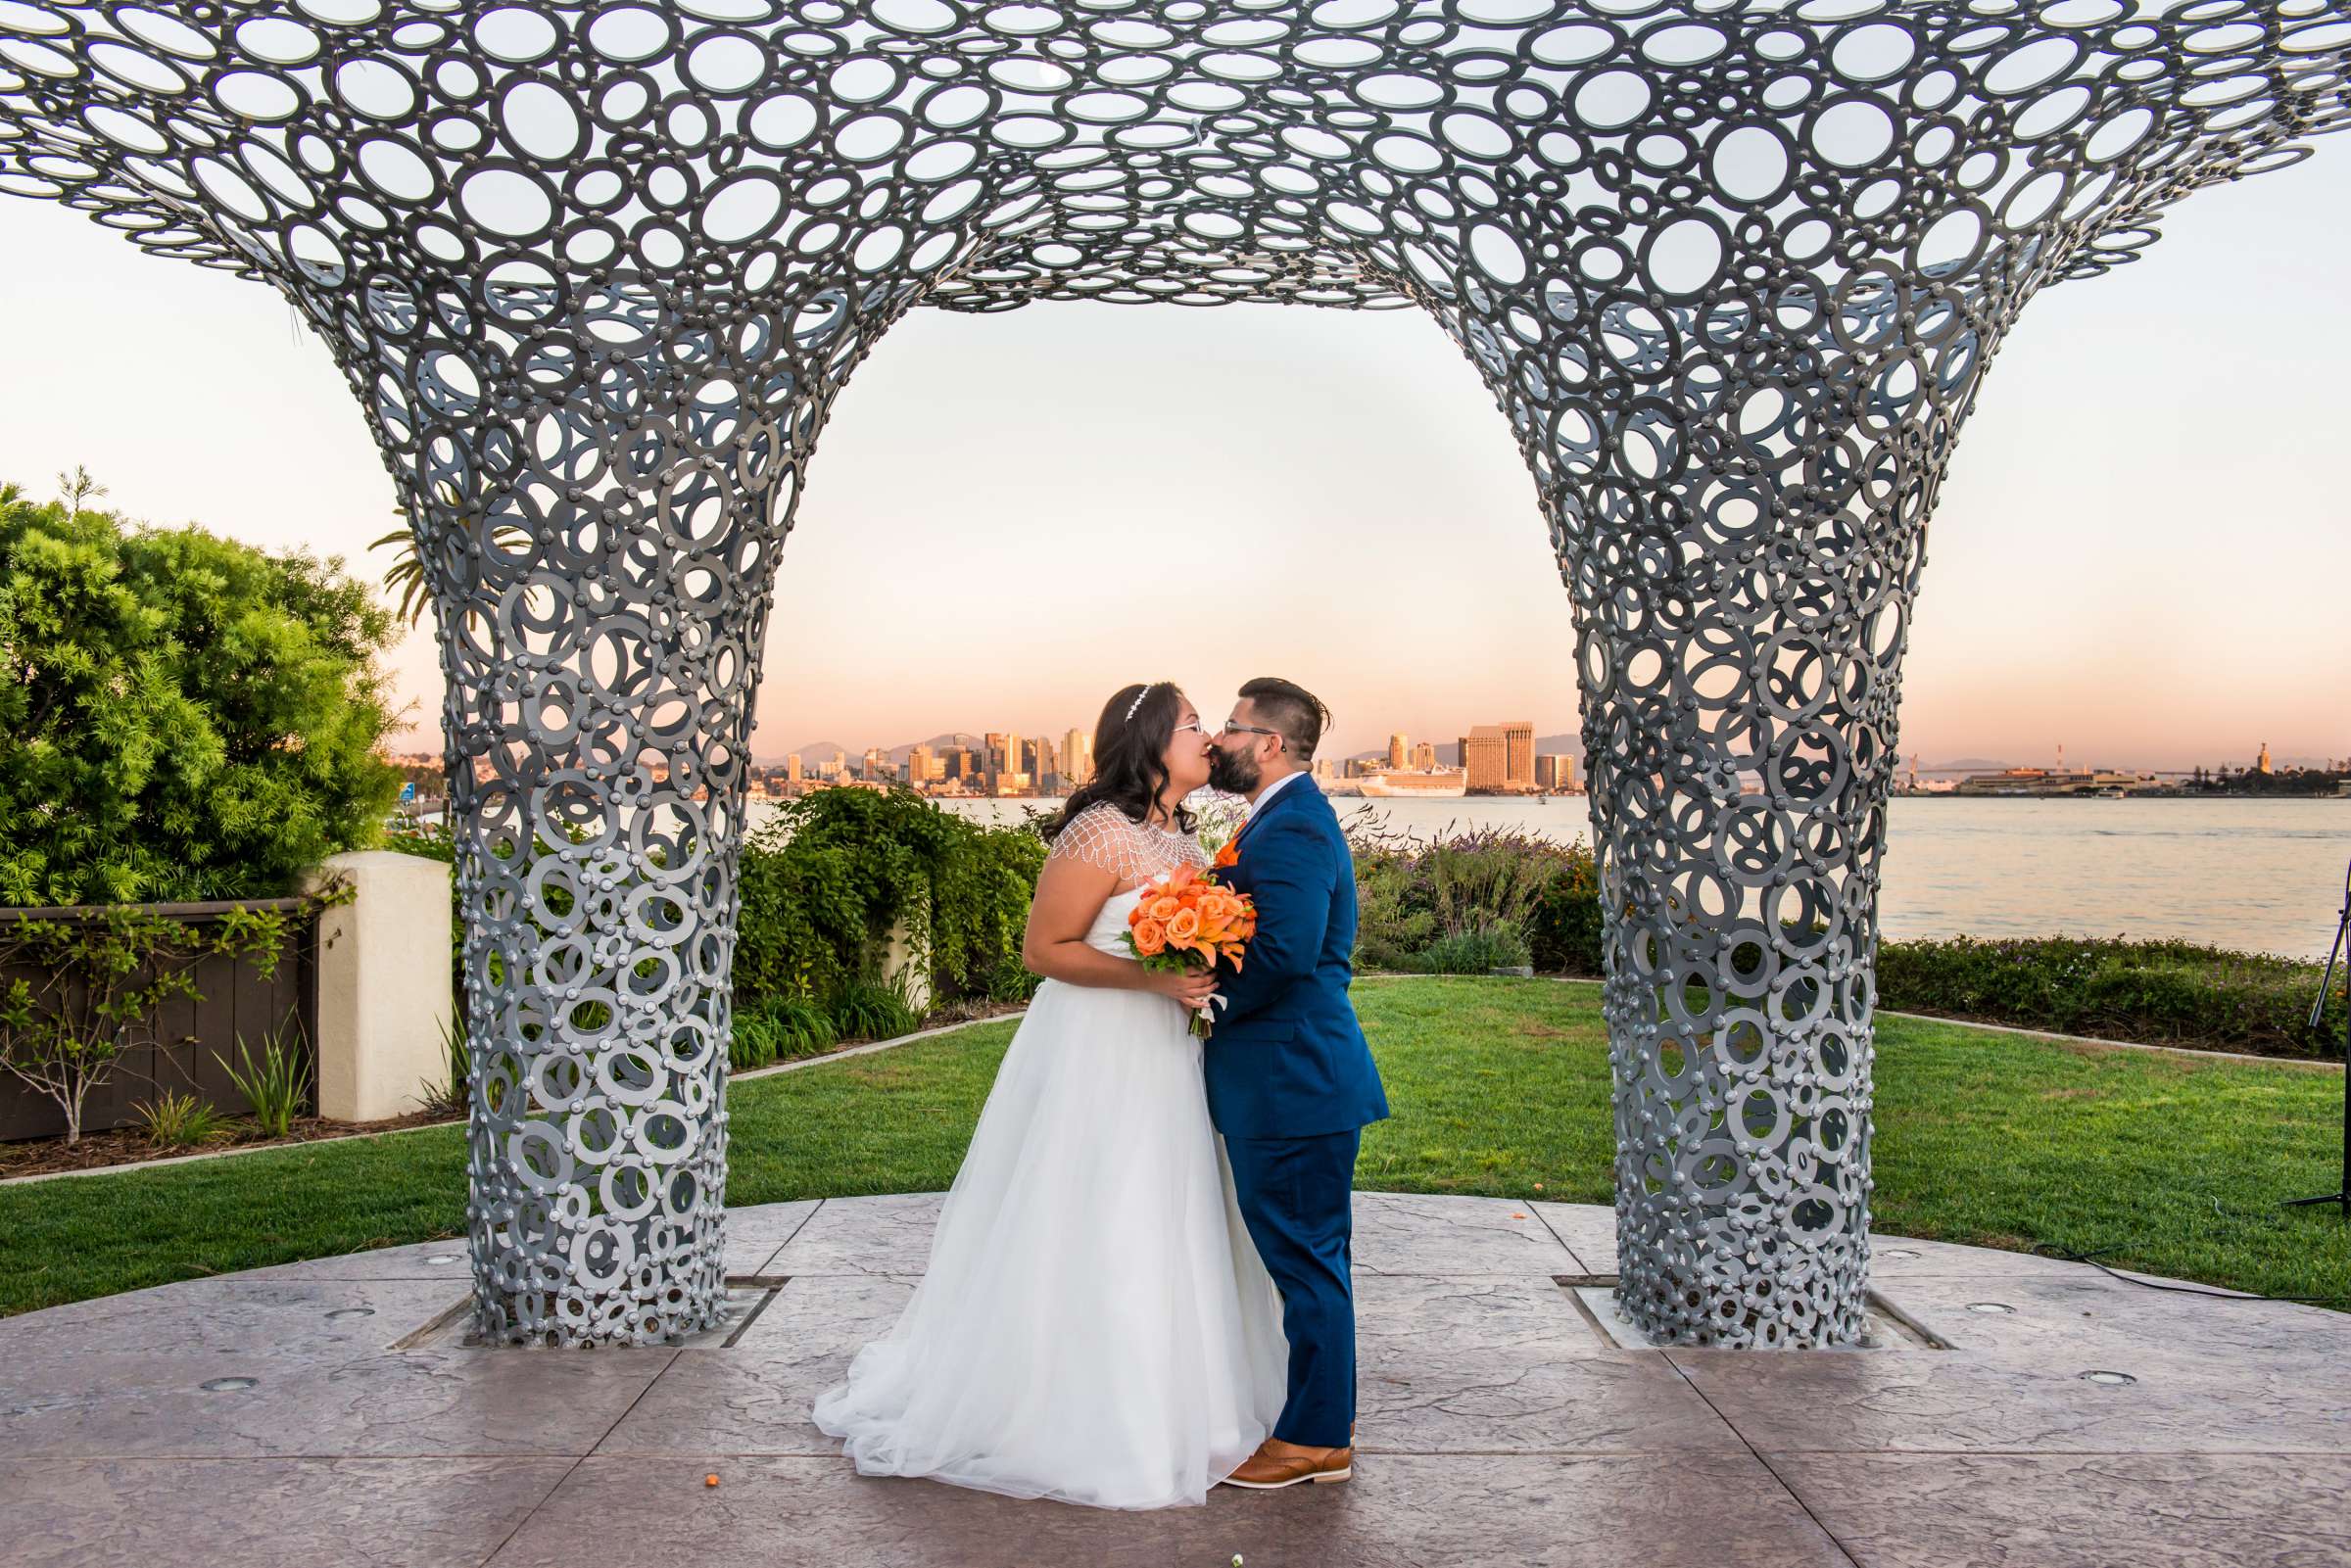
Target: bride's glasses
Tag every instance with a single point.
(1194, 725)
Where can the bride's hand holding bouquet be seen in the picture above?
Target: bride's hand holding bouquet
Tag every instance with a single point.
(1184, 923)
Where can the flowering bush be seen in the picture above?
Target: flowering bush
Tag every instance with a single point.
(1470, 900)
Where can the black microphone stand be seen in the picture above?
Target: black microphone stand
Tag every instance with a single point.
(2341, 1196)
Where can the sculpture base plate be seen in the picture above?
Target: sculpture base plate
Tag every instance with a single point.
(1885, 1327)
(451, 1328)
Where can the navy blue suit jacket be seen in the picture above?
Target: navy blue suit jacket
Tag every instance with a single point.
(1287, 1058)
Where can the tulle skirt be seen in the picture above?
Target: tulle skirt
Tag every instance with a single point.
(1094, 1324)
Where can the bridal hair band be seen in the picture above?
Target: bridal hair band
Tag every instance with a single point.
(1138, 700)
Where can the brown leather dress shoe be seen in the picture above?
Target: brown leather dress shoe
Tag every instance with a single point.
(1277, 1464)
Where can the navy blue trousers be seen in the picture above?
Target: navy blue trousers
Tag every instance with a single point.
(1296, 1196)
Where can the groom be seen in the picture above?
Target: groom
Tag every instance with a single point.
(1290, 1081)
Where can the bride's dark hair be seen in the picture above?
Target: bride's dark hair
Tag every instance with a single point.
(1130, 746)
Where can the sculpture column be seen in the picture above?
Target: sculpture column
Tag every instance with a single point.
(600, 562)
(1740, 734)
(1741, 557)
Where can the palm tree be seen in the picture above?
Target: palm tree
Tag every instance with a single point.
(405, 575)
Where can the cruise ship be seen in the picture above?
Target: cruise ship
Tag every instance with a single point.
(1413, 783)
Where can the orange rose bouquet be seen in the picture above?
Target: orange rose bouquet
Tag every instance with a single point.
(1187, 922)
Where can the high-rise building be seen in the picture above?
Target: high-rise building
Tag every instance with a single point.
(919, 763)
(1554, 771)
(793, 766)
(1076, 758)
(1398, 750)
(1518, 755)
(878, 766)
(1485, 758)
(2263, 761)
(1424, 757)
(1002, 758)
(1499, 757)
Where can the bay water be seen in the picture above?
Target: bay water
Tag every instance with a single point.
(2261, 875)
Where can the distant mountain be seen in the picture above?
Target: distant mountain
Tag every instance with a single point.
(822, 750)
(813, 750)
(938, 743)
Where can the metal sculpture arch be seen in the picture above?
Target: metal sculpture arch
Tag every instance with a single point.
(595, 273)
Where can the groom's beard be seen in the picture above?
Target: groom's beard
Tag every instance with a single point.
(1234, 774)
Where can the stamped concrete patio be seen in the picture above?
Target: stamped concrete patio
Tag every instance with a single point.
(325, 1413)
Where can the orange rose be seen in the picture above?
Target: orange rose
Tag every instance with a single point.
(1185, 928)
(1163, 908)
(1150, 937)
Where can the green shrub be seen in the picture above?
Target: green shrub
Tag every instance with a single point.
(781, 1029)
(188, 717)
(450, 1094)
(2154, 992)
(278, 1086)
(1393, 918)
(802, 1027)
(979, 896)
(177, 1121)
(823, 882)
(870, 1010)
(1499, 945)
(1467, 901)
(752, 1045)
(1563, 929)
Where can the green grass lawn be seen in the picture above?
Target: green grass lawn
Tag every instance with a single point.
(2153, 1161)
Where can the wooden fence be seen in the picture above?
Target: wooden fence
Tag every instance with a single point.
(231, 999)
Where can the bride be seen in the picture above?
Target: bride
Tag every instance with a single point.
(1094, 1324)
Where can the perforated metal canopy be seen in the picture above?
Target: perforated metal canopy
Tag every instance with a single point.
(595, 273)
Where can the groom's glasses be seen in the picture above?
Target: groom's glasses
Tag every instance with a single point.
(1232, 728)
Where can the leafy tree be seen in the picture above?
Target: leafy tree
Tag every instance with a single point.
(181, 716)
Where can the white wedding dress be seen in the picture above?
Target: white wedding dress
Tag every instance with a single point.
(1094, 1324)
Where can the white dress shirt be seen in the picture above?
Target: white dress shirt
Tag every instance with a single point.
(1266, 794)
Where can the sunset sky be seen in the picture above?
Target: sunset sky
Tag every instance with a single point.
(2144, 550)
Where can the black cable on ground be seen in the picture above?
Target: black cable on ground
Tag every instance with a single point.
(2091, 1258)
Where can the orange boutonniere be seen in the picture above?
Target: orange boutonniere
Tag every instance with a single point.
(1230, 855)
(1190, 921)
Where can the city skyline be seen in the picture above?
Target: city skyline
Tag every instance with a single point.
(1547, 741)
(1003, 506)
